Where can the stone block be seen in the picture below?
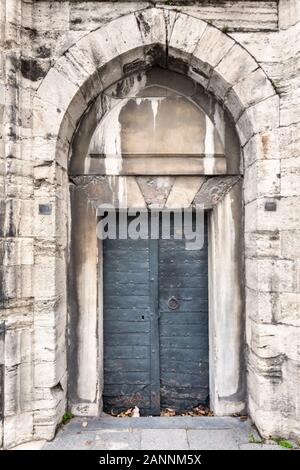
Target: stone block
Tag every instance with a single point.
(270, 275)
(158, 439)
(212, 190)
(18, 282)
(265, 47)
(233, 104)
(85, 18)
(19, 187)
(212, 47)
(261, 306)
(275, 341)
(240, 15)
(59, 91)
(18, 389)
(259, 118)
(31, 445)
(82, 73)
(285, 217)
(263, 145)
(49, 148)
(48, 416)
(118, 440)
(155, 190)
(289, 311)
(17, 347)
(133, 195)
(21, 167)
(183, 192)
(263, 244)
(290, 102)
(17, 429)
(290, 176)
(259, 383)
(262, 179)
(20, 313)
(49, 276)
(289, 140)
(48, 374)
(153, 25)
(48, 340)
(44, 171)
(47, 119)
(218, 86)
(19, 217)
(83, 58)
(19, 251)
(124, 34)
(251, 90)
(212, 440)
(44, 224)
(50, 313)
(270, 422)
(44, 431)
(186, 33)
(85, 409)
(18, 371)
(236, 65)
(51, 15)
(289, 13)
(95, 52)
(290, 244)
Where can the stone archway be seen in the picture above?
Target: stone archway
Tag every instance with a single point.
(137, 185)
(151, 37)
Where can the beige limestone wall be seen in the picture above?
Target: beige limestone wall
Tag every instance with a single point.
(272, 239)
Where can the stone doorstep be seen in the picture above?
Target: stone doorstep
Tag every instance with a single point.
(156, 422)
(149, 433)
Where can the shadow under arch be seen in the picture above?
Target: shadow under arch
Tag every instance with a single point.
(134, 89)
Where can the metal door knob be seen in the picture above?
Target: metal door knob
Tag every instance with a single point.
(173, 303)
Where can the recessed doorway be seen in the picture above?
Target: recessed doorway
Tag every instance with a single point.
(155, 324)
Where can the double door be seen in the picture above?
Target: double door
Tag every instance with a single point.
(155, 325)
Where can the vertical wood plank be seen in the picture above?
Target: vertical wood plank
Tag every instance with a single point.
(2, 332)
(154, 329)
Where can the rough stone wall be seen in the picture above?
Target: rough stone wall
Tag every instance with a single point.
(272, 238)
(33, 35)
(16, 239)
(273, 255)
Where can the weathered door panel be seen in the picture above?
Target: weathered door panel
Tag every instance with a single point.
(183, 324)
(126, 286)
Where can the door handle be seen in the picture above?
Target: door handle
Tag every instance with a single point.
(173, 303)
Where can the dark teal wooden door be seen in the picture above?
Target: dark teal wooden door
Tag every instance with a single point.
(183, 324)
(155, 325)
(127, 325)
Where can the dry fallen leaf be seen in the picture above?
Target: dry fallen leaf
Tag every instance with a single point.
(128, 413)
(168, 412)
(199, 410)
